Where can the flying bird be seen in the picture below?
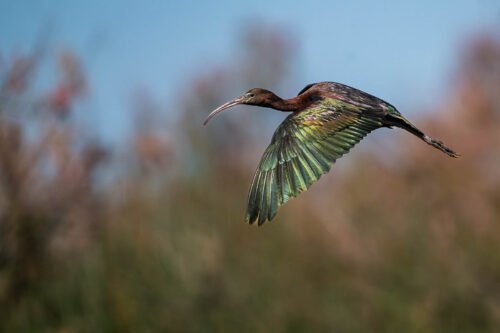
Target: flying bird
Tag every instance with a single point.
(326, 120)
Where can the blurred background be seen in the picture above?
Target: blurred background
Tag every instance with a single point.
(120, 212)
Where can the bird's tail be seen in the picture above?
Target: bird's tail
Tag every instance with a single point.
(402, 122)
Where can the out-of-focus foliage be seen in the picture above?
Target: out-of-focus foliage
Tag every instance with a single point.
(403, 243)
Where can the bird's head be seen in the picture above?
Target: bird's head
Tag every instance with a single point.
(255, 96)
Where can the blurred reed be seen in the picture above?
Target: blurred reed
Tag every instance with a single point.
(406, 243)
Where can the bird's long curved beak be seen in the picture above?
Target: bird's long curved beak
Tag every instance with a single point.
(223, 107)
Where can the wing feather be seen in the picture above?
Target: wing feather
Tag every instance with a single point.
(303, 148)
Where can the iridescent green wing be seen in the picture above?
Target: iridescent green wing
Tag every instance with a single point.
(303, 148)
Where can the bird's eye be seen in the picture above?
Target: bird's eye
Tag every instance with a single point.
(249, 95)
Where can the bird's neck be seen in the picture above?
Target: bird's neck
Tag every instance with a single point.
(287, 105)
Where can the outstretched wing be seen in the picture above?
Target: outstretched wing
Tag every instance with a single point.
(304, 147)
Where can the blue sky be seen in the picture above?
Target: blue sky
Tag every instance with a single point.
(402, 52)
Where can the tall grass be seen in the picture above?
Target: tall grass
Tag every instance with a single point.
(92, 240)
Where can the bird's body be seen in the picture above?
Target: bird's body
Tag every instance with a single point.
(327, 120)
